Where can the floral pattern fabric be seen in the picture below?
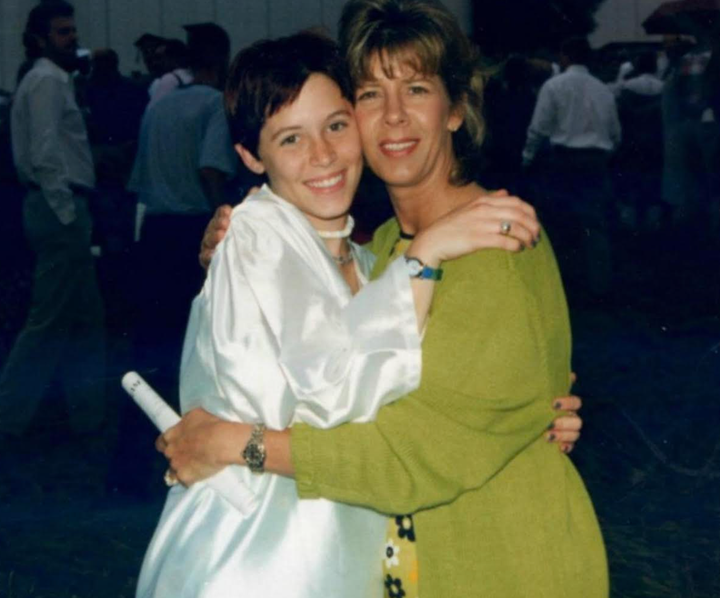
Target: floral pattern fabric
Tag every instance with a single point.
(400, 567)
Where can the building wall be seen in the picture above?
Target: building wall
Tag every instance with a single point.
(621, 21)
(117, 23)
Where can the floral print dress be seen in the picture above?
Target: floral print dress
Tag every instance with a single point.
(400, 566)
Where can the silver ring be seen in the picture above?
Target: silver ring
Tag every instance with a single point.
(505, 227)
(170, 478)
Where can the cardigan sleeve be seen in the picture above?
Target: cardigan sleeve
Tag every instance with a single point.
(485, 395)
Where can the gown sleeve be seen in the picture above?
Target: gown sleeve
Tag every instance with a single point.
(337, 357)
(358, 357)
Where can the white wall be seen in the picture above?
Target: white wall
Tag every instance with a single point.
(118, 23)
(621, 21)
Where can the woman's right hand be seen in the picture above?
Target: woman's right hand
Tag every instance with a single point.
(216, 230)
(476, 225)
(214, 233)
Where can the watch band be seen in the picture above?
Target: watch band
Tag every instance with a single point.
(417, 269)
(254, 451)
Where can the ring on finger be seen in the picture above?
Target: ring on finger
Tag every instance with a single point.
(170, 478)
(505, 227)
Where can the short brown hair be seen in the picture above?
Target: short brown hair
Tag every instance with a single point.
(425, 35)
(270, 74)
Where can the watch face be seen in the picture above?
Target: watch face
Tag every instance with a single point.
(414, 266)
(254, 457)
(253, 454)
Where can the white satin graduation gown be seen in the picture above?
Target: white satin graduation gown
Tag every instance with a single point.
(276, 337)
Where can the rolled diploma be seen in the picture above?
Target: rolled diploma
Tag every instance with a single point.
(225, 482)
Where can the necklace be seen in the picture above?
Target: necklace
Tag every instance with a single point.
(339, 234)
(343, 260)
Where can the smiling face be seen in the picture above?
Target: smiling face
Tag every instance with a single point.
(310, 152)
(406, 123)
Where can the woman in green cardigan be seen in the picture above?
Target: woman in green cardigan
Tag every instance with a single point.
(497, 511)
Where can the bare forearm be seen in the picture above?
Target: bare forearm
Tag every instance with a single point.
(423, 290)
(472, 226)
(278, 459)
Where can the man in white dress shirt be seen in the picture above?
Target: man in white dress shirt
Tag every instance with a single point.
(64, 332)
(575, 127)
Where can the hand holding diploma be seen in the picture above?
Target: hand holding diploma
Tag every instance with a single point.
(226, 482)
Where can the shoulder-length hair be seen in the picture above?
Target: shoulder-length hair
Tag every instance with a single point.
(427, 37)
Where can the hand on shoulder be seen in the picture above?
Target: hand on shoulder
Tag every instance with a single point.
(490, 221)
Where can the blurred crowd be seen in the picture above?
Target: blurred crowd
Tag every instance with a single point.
(610, 143)
(601, 154)
(108, 182)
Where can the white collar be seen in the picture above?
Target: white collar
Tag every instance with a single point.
(48, 65)
(281, 200)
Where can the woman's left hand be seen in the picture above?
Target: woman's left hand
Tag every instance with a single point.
(475, 225)
(565, 430)
(199, 446)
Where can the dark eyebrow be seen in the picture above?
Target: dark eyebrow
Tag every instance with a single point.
(295, 128)
(341, 112)
(285, 131)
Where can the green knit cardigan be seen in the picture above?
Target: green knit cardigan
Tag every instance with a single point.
(499, 512)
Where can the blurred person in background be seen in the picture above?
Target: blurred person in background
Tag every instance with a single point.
(175, 60)
(509, 103)
(690, 182)
(64, 333)
(574, 131)
(637, 167)
(114, 106)
(149, 50)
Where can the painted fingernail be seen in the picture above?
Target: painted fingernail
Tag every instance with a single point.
(551, 425)
(550, 437)
(557, 405)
